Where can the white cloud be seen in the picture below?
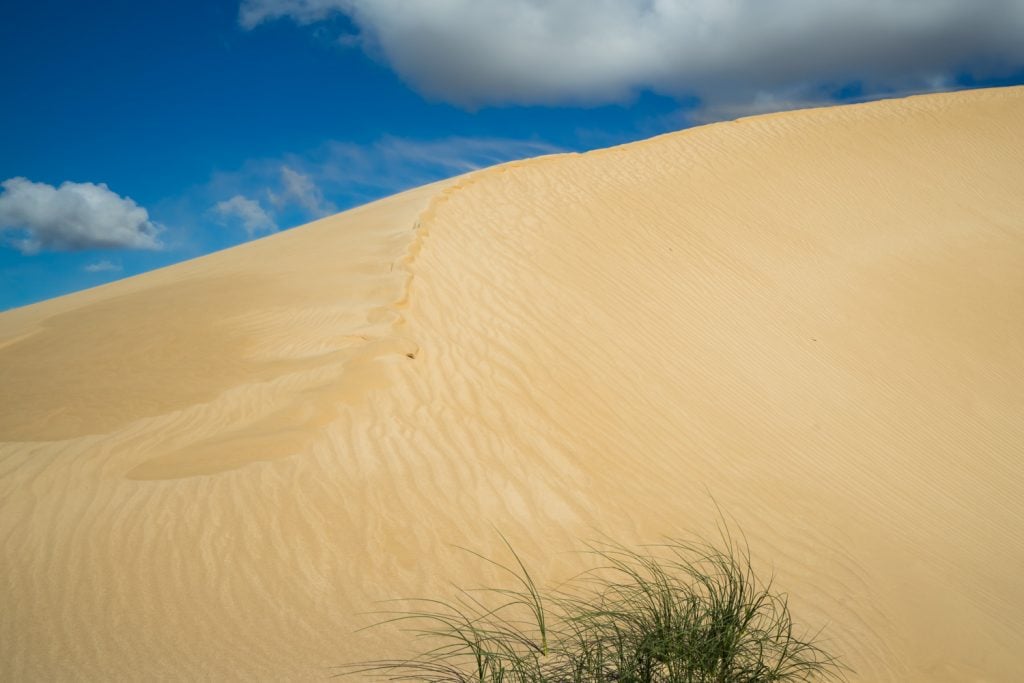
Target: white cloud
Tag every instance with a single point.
(103, 266)
(299, 189)
(727, 52)
(73, 216)
(248, 212)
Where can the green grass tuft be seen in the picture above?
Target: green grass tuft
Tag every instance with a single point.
(679, 612)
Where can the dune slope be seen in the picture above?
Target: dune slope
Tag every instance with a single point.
(814, 320)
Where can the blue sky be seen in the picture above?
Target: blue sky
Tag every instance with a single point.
(138, 134)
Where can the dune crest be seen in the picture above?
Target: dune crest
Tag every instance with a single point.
(813, 319)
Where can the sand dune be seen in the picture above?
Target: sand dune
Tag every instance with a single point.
(815, 319)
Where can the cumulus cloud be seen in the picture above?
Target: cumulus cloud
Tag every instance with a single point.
(477, 52)
(248, 212)
(104, 266)
(72, 217)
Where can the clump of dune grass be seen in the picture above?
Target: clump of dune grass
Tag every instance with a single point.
(678, 612)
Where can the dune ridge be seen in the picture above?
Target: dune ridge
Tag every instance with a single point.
(811, 319)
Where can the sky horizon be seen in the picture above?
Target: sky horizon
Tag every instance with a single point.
(138, 135)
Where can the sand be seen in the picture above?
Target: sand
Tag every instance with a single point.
(814, 320)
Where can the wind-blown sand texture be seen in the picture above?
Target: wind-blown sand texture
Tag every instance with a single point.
(814, 319)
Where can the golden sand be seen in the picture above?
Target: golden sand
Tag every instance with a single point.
(813, 319)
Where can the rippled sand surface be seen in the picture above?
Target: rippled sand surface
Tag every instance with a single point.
(813, 319)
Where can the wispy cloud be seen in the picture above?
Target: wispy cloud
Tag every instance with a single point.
(299, 189)
(104, 266)
(335, 175)
(267, 194)
(72, 217)
(392, 164)
(480, 52)
(248, 212)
